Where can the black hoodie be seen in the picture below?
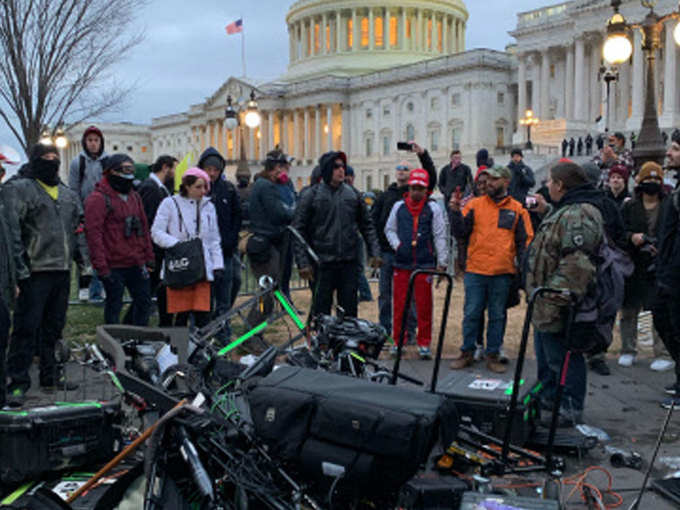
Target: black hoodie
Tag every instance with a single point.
(227, 205)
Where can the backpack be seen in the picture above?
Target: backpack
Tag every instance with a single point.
(594, 315)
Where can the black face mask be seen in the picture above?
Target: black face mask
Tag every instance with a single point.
(120, 184)
(650, 188)
(46, 170)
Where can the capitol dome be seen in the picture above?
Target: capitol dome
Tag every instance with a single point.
(352, 37)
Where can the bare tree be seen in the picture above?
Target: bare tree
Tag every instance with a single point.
(56, 58)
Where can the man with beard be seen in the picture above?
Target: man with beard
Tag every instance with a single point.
(119, 241)
(497, 229)
(45, 226)
(159, 185)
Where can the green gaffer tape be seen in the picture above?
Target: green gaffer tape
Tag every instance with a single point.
(509, 390)
(242, 339)
(16, 494)
(78, 404)
(286, 305)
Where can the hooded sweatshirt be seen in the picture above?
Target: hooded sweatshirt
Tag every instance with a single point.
(86, 169)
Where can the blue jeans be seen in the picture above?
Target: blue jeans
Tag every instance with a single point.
(221, 291)
(550, 355)
(490, 292)
(137, 282)
(96, 287)
(385, 297)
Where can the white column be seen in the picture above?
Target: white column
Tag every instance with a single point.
(445, 35)
(545, 86)
(402, 42)
(318, 129)
(371, 29)
(346, 144)
(283, 133)
(670, 74)
(433, 33)
(322, 35)
(579, 77)
(595, 86)
(329, 121)
(420, 39)
(461, 36)
(271, 116)
(387, 32)
(355, 31)
(296, 149)
(291, 43)
(521, 90)
(305, 142)
(569, 83)
(638, 83)
(338, 31)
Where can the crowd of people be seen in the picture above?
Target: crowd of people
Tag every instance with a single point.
(185, 249)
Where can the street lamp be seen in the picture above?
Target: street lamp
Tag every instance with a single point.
(617, 49)
(608, 74)
(252, 119)
(60, 140)
(529, 120)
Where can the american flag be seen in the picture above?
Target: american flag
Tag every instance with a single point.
(235, 27)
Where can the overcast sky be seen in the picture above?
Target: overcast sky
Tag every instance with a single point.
(186, 54)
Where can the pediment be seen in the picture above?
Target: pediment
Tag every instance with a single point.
(237, 88)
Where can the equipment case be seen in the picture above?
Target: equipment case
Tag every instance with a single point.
(435, 493)
(54, 438)
(484, 402)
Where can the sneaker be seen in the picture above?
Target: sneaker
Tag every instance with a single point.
(494, 364)
(673, 402)
(661, 365)
(83, 294)
(599, 366)
(502, 357)
(424, 353)
(671, 389)
(627, 360)
(465, 359)
(16, 397)
(479, 353)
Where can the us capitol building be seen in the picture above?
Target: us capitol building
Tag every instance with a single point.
(363, 75)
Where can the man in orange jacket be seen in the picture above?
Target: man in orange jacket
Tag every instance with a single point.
(497, 229)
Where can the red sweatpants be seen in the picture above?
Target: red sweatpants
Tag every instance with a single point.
(422, 294)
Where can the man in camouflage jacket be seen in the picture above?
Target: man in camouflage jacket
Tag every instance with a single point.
(561, 257)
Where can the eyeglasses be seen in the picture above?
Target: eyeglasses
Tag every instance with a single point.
(124, 169)
(401, 167)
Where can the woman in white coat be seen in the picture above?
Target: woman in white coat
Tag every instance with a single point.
(180, 218)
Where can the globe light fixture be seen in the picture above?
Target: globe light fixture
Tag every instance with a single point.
(617, 48)
(230, 119)
(60, 141)
(252, 117)
(45, 138)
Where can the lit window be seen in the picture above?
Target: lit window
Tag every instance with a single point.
(429, 34)
(408, 28)
(328, 38)
(378, 26)
(394, 28)
(364, 32)
(350, 33)
(317, 37)
(440, 43)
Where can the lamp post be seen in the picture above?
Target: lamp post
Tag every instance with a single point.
(618, 48)
(232, 119)
(608, 75)
(529, 120)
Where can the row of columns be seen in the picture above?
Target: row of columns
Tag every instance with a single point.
(416, 30)
(584, 97)
(304, 133)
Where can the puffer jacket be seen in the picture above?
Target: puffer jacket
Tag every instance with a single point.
(105, 225)
(46, 234)
(561, 256)
(330, 219)
(168, 230)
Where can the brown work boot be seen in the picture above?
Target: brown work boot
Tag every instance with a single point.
(493, 363)
(466, 359)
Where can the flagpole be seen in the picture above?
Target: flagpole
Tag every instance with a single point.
(243, 47)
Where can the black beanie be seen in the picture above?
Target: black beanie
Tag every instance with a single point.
(213, 160)
(40, 149)
(115, 161)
